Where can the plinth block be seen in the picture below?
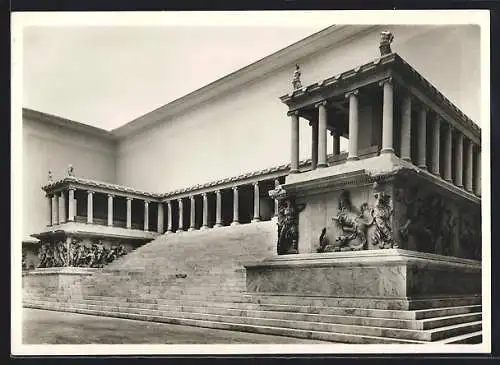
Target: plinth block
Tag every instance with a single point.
(385, 273)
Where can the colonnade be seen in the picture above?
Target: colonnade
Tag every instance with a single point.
(461, 156)
(57, 205)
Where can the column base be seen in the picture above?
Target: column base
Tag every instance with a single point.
(190, 229)
(407, 159)
(217, 225)
(423, 167)
(168, 232)
(322, 165)
(235, 223)
(448, 180)
(353, 158)
(386, 151)
(255, 220)
(203, 228)
(294, 171)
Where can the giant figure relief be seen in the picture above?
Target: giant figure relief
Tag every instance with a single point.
(360, 228)
(78, 254)
(430, 221)
(288, 231)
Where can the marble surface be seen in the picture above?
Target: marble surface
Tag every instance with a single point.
(391, 273)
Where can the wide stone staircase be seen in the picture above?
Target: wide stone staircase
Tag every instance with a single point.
(197, 278)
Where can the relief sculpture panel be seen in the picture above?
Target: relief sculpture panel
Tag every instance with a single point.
(360, 228)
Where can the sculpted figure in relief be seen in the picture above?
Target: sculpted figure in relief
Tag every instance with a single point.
(288, 232)
(296, 78)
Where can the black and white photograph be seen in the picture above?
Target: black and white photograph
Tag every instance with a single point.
(250, 182)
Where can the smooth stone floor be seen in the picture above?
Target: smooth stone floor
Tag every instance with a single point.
(50, 327)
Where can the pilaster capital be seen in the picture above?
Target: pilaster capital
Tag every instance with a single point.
(322, 103)
(387, 80)
(354, 92)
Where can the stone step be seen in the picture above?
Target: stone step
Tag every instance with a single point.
(375, 303)
(369, 319)
(293, 308)
(155, 309)
(278, 331)
(467, 338)
(437, 322)
(442, 312)
(357, 329)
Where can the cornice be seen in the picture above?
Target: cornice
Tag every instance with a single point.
(38, 116)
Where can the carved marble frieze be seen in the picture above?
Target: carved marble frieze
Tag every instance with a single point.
(76, 253)
(288, 230)
(369, 226)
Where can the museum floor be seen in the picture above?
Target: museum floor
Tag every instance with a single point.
(50, 327)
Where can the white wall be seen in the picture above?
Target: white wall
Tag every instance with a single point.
(247, 129)
(50, 147)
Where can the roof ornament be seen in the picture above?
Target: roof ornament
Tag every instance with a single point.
(296, 78)
(70, 170)
(386, 39)
(50, 176)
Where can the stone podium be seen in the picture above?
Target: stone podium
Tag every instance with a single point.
(399, 223)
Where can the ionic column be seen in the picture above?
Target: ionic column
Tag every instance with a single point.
(422, 136)
(448, 143)
(335, 142)
(192, 213)
(353, 124)
(322, 121)
(256, 202)
(459, 151)
(169, 217)
(181, 215)
(71, 205)
(218, 208)
(406, 128)
(110, 210)
(55, 209)
(129, 213)
(62, 207)
(90, 207)
(49, 210)
(159, 224)
(436, 138)
(276, 202)
(205, 211)
(478, 172)
(387, 117)
(235, 207)
(294, 159)
(469, 161)
(146, 215)
(314, 144)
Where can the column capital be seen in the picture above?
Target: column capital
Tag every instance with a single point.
(111, 195)
(321, 103)
(217, 191)
(354, 92)
(147, 202)
(235, 188)
(90, 192)
(293, 113)
(129, 198)
(424, 108)
(204, 195)
(387, 80)
(255, 183)
(192, 197)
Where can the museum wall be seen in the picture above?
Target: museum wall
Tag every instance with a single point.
(48, 146)
(247, 128)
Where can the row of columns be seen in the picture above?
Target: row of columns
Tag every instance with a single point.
(56, 209)
(456, 162)
(319, 132)
(218, 209)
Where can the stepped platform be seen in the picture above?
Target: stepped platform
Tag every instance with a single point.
(199, 279)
